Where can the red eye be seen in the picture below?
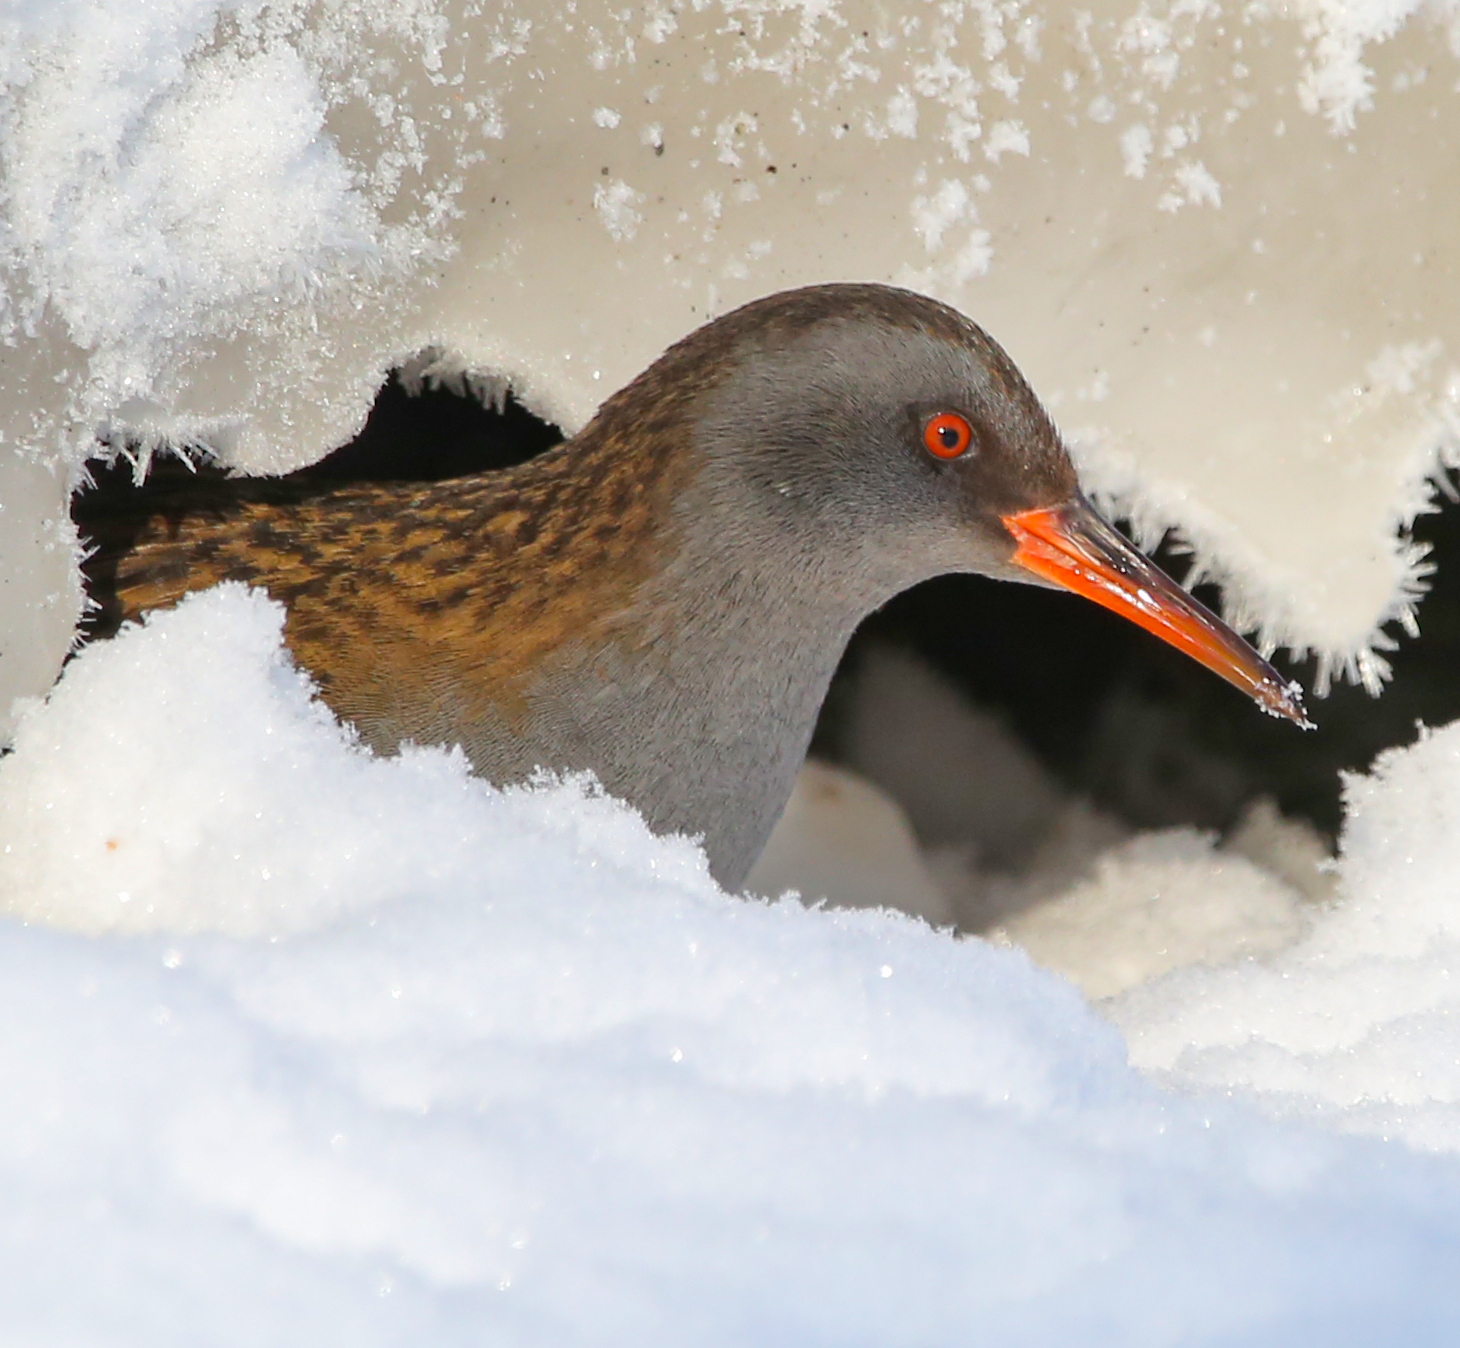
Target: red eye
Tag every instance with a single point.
(947, 435)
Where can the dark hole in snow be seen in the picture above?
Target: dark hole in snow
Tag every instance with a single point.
(1113, 713)
(433, 435)
(428, 436)
(1145, 732)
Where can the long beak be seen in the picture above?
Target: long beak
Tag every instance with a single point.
(1072, 546)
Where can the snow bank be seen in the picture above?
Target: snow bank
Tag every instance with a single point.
(530, 1078)
(198, 247)
(1253, 966)
(993, 844)
(1162, 901)
(300, 1045)
(1316, 989)
(842, 839)
(1218, 241)
(1359, 1022)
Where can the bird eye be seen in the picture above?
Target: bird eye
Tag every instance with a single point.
(947, 435)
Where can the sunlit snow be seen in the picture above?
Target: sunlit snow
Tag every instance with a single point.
(514, 1071)
(304, 1046)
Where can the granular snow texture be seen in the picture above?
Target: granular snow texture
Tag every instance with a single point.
(1359, 1022)
(342, 1049)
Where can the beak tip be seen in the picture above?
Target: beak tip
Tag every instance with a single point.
(1286, 701)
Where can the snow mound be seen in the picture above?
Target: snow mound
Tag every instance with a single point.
(964, 778)
(1161, 901)
(1359, 1021)
(537, 1081)
(843, 840)
(1021, 859)
(114, 824)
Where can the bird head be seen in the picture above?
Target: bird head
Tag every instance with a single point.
(892, 424)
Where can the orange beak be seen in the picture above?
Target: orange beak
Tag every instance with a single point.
(1072, 546)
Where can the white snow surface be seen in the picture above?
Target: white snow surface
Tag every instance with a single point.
(841, 839)
(304, 1046)
(1359, 1022)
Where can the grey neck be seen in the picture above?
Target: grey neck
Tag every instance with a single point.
(701, 715)
(726, 728)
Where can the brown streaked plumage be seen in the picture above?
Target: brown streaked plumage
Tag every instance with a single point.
(663, 598)
(482, 574)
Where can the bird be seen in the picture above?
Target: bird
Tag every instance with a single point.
(662, 599)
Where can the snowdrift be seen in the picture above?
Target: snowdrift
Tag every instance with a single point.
(302, 1045)
(364, 1049)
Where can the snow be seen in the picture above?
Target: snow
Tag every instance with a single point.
(187, 249)
(1160, 901)
(963, 778)
(302, 1045)
(469, 1065)
(1254, 965)
(1357, 1022)
(615, 203)
(843, 840)
(1020, 859)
